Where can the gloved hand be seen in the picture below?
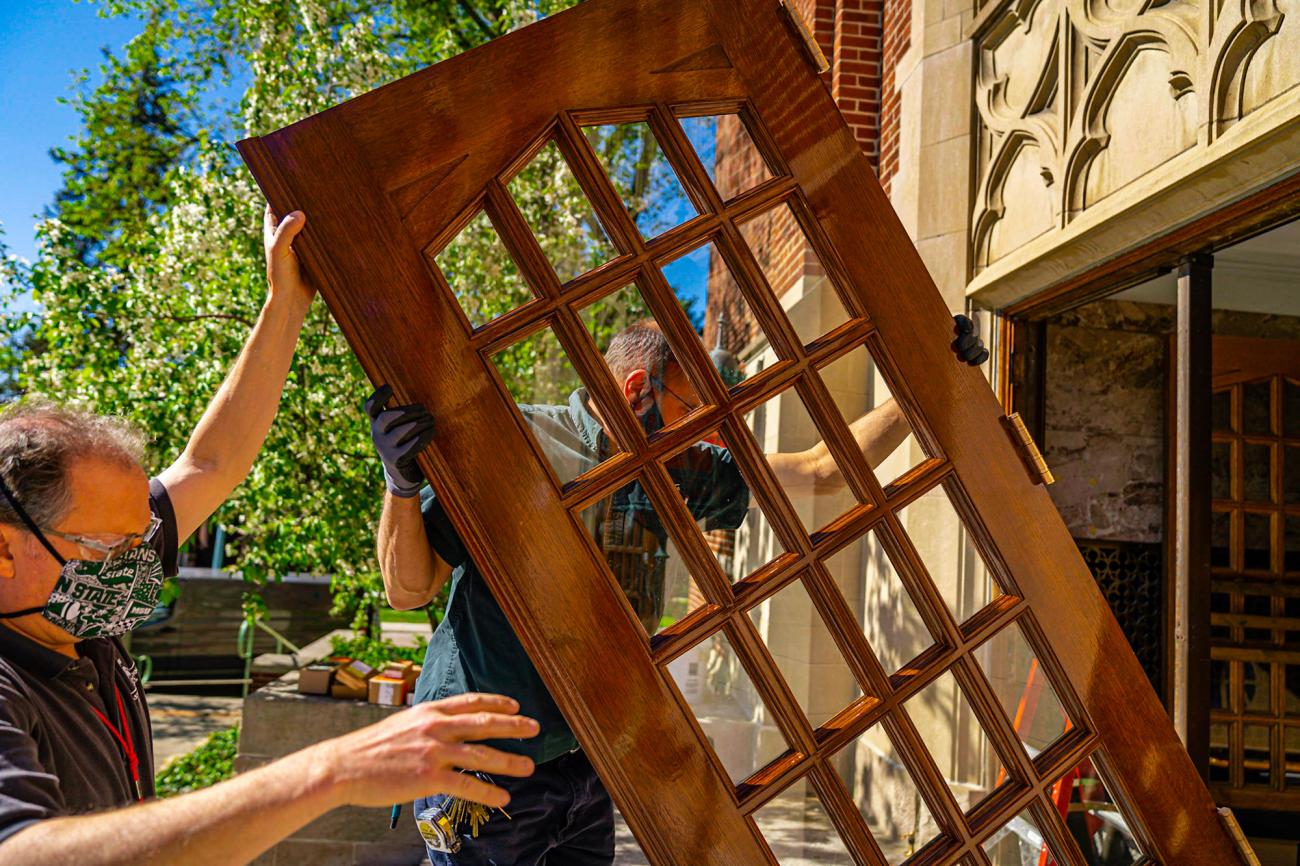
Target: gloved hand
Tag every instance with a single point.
(968, 345)
(400, 434)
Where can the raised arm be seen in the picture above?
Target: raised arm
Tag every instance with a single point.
(223, 446)
(413, 753)
(877, 433)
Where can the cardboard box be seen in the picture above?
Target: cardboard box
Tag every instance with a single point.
(388, 691)
(401, 670)
(316, 679)
(350, 679)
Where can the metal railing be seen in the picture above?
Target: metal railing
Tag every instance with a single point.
(244, 643)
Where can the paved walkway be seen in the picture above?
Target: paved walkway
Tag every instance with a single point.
(182, 722)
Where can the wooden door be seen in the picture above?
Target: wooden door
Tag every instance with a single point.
(1049, 745)
(1254, 732)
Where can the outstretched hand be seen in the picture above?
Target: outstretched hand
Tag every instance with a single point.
(968, 345)
(282, 270)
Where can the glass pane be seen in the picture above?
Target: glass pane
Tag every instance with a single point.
(1220, 532)
(888, 799)
(1291, 742)
(1291, 610)
(1256, 420)
(642, 175)
(1220, 697)
(1291, 408)
(1221, 411)
(555, 404)
(1257, 744)
(1258, 542)
(1291, 556)
(728, 153)
(1256, 685)
(722, 696)
(561, 218)
(1221, 470)
(960, 748)
(481, 272)
(858, 389)
(1256, 466)
(806, 654)
(1094, 818)
(949, 554)
(1019, 843)
(783, 427)
(1023, 689)
(794, 272)
(1219, 751)
(1219, 603)
(711, 299)
(750, 546)
(1292, 700)
(885, 610)
(1258, 605)
(1291, 477)
(798, 830)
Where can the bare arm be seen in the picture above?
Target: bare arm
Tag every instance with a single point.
(413, 573)
(228, 437)
(413, 753)
(877, 433)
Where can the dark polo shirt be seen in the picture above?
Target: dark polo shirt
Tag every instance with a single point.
(56, 756)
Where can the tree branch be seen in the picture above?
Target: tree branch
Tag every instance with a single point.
(189, 319)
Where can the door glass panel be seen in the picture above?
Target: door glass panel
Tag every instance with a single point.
(752, 544)
(1023, 688)
(554, 402)
(890, 803)
(1291, 485)
(481, 273)
(1256, 419)
(1259, 542)
(642, 175)
(613, 313)
(1291, 744)
(1291, 704)
(1019, 843)
(948, 553)
(1220, 531)
(1256, 749)
(725, 147)
(884, 608)
(1094, 819)
(794, 272)
(1220, 696)
(1256, 466)
(1221, 411)
(798, 830)
(560, 216)
(1258, 605)
(1221, 470)
(783, 427)
(1220, 770)
(956, 741)
(722, 696)
(1256, 682)
(1291, 409)
(858, 388)
(712, 300)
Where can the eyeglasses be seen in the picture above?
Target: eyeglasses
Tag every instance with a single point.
(661, 385)
(108, 547)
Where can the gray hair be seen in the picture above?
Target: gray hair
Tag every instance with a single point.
(639, 346)
(40, 439)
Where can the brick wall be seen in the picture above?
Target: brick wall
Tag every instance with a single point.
(897, 38)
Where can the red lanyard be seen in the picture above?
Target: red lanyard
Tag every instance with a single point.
(123, 738)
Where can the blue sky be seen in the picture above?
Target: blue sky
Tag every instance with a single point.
(42, 44)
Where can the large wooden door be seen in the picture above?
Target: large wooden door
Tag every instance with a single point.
(1063, 755)
(1254, 732)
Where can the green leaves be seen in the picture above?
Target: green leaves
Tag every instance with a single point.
(212, 762)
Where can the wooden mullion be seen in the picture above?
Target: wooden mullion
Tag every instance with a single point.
(585, 358)
(701, 563)
(764, 303)
(827, 254)
(767, 678)
(920, 767)
(918, 583)
(1056, 834)
(681, 239)
(687, 348)
(764, 486)
(992, 719)
(839, 440)
(847, 633)
(763, 197)
(609, 206)
(685, 161)
(846, 817)
(613, 116)
(520, 242)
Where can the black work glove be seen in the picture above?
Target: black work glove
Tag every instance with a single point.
(400, 434)
(968, 345)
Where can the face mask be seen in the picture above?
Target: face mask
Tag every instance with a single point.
(94, 598)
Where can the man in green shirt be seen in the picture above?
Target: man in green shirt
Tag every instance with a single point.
(562, 814)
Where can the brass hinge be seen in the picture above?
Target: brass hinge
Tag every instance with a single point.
(812, 50)
(1234, 830)
(1028, 450)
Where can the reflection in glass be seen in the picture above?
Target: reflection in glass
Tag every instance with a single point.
(728, 153)
(554, 402)
(1259, 542)
(885, 610)
(1220, 696)
(956, 741)
(803, 466)
(1256, 684)
(806, 654)
(797, 829)
(858, 387)
(1094, 819)
(1256, 468)
(1256, 743)
(560, 216)
(722, 696)
(1019, 843)
(1023, 688)
(948, 553)
(1255, 402)
(794, 272)
(874, 774)
(1219, 753)
(642, 175)
(1221, 470)
(481, 272)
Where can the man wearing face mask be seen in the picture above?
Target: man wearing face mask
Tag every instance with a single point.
(562, 813)
(86, 538)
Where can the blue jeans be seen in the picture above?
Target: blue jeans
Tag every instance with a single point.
(559, 816)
